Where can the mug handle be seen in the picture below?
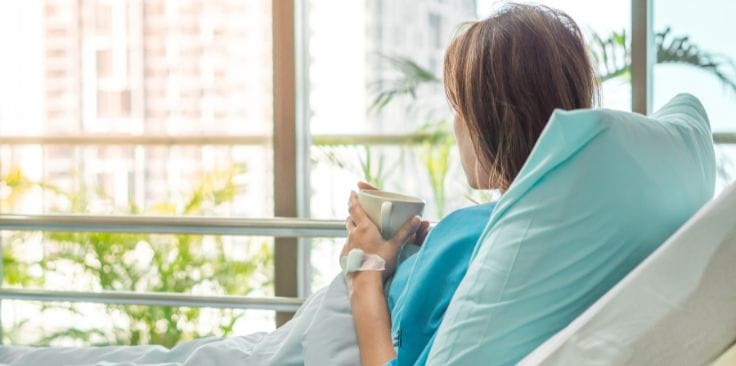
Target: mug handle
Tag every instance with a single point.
(385, 218)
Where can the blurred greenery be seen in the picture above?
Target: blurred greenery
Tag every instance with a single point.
(430, 145)
(612, 55)
(135, 262)
(435, 156)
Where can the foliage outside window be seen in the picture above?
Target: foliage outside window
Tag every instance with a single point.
(134, 262)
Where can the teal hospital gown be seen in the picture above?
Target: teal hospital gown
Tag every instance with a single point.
(424, 284)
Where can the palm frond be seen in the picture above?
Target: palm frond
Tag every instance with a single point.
(410, 77)
(613, 57)
(681, 50)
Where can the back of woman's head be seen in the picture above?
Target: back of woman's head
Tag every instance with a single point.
(506, 74)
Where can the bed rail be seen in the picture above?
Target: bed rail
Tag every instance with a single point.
(153, 299)
(198, 225)
(272, 227)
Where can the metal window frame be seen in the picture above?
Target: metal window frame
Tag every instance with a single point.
(304, 143)
(642, 56)
(286, 227)
(288, 141)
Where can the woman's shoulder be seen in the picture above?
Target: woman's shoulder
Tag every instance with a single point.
(483, 210)
(465, 222)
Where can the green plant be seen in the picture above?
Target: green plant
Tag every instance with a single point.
(141, 262)
(411, 77)
(362, 159)
(435, 148)
(435, 155)
(611, 54)
(373, 165)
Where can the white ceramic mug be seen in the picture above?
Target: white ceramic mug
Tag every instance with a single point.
(389, 211)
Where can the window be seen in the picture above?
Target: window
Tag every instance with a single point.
(178, 110)
(135, 98)
(695, 54)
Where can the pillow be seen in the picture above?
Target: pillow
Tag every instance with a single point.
(599, 192)
(677, 308)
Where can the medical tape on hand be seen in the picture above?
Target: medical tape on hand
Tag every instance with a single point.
(357, 260)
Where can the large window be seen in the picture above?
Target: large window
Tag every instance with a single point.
(250, 109)
(153, 107)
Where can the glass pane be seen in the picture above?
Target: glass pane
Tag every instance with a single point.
(174, 180)
(152, 68)
(202, 265)
(144, 68)
(385, 46)
(696, 55)
(323, 256)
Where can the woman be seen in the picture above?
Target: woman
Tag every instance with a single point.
(503, 77)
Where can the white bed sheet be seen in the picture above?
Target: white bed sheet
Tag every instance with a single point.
(677, 308)
(321, 333)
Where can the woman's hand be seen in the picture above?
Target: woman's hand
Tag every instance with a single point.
(421, 234)
(368, 303)
(363, 234)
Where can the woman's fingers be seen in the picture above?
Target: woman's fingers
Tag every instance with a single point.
(366, 186)
(349, 224)
(357, 214)
(406, 231)
(421, 234)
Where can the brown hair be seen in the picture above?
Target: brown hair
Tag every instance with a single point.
(505, 75)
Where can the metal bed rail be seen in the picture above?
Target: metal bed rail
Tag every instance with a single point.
(274, 227)
(198, 225)
(153, 299)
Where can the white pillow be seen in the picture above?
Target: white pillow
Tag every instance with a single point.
(599, 192)
(677, 308)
